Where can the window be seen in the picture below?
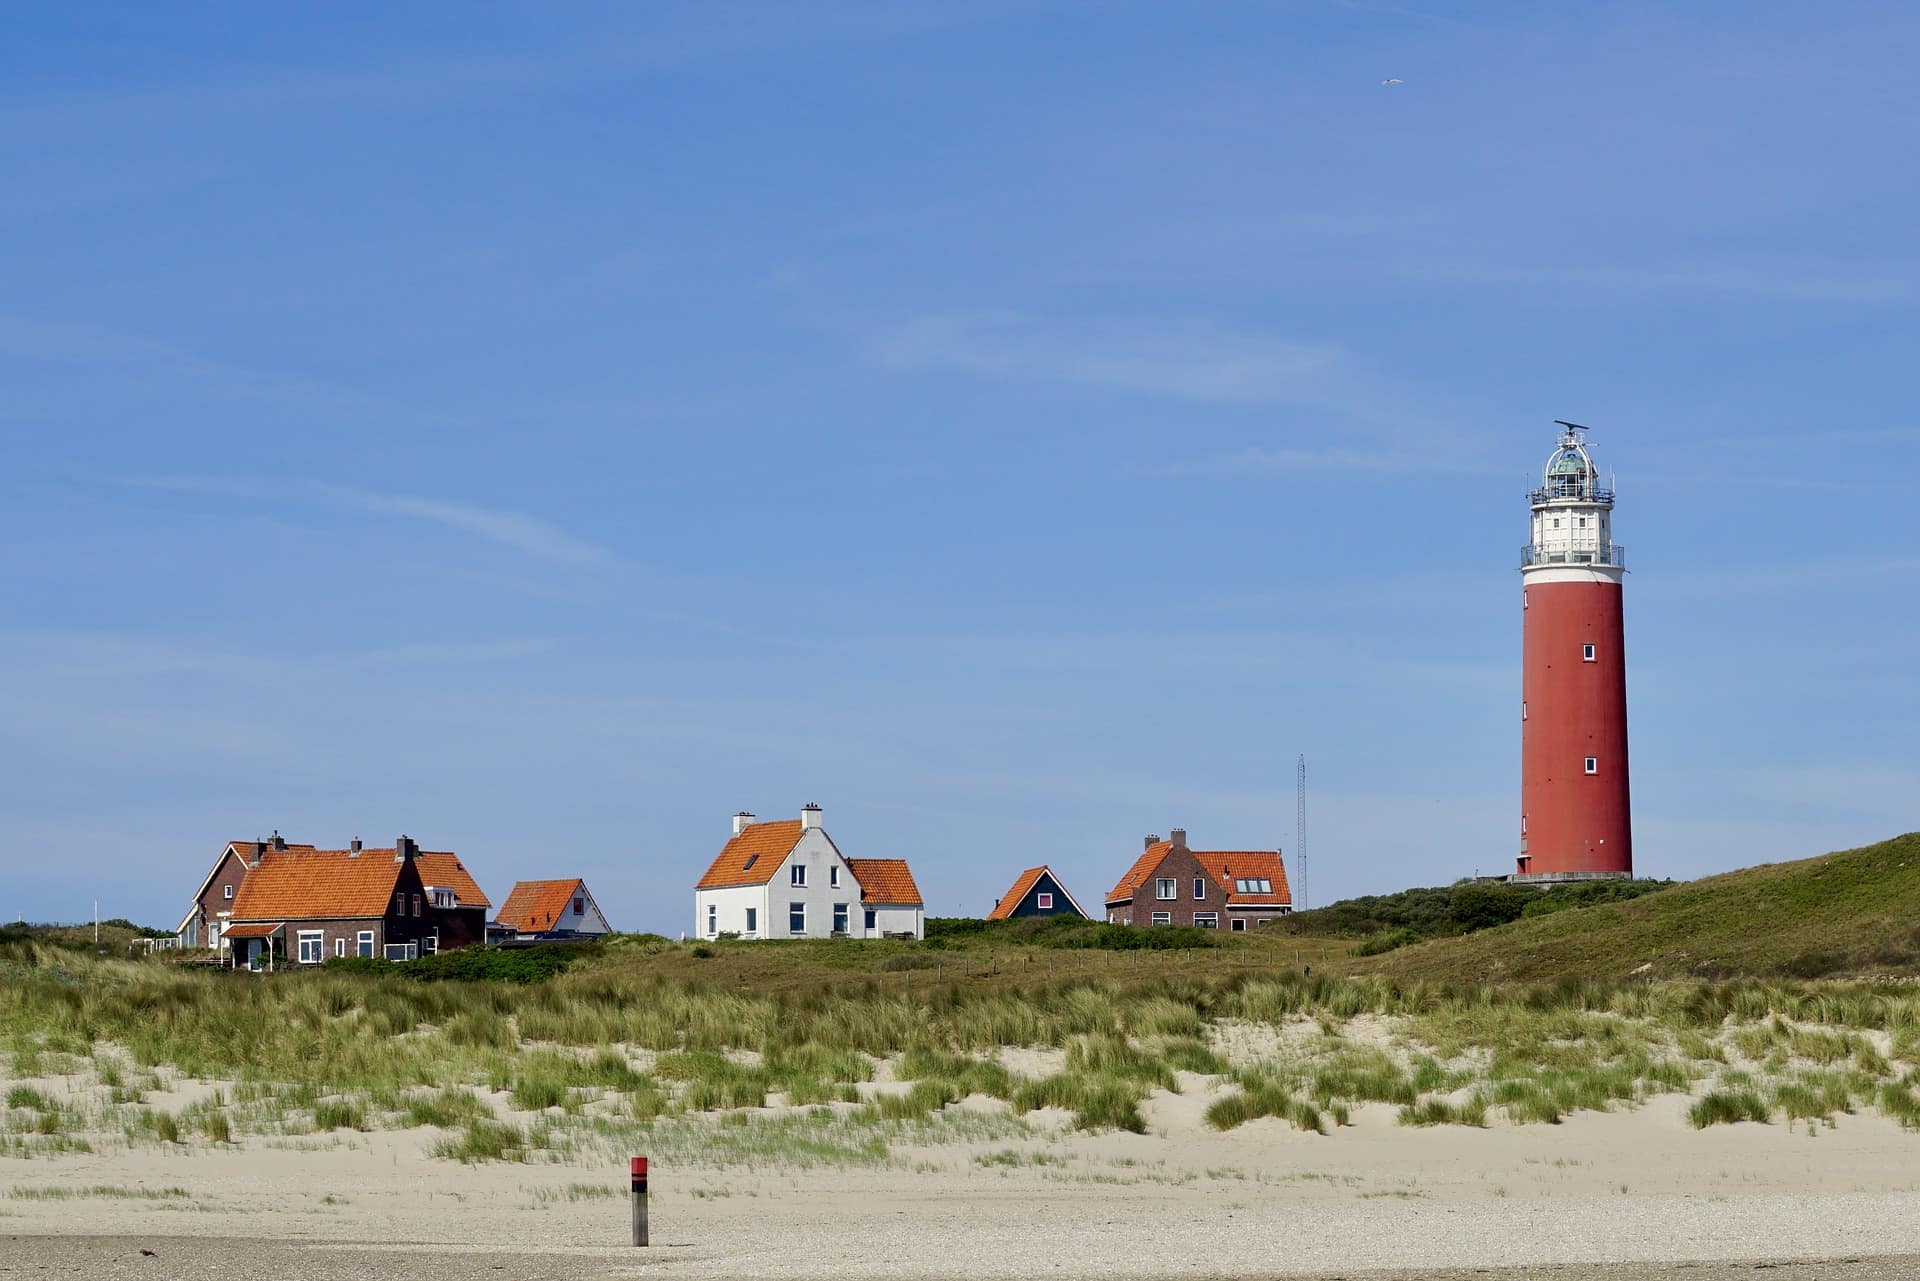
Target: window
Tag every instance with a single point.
(1523, 825)
(751, 860)
(1240, 923)
(1163, 918)
(1207, 920)
(839, 918)
(796, 918)
(313, 947)
(1199, 887)
(430, 944)
(753, 920)
(713, 920)
(227, 891)
(1253, 885)
(1583, 522)
(340, 946)
(873, 920)
(1593, 764)
(1556, 522)
(1044, 902)
(399, 905)
(1166, 887)
(1586, 653)
(402, 951)
(797, 874)
(366, 943)
(416, 905)
(579, 907)
(833, 877)
(1523, 709)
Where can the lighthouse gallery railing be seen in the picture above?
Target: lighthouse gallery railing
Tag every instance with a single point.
(1612, 554)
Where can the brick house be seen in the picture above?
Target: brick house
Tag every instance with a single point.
(273, 900)
(1170, 884)
(1036, 892)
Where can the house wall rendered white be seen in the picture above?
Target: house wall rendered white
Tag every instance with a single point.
(899, 920)
(729, 911)
(587, 921)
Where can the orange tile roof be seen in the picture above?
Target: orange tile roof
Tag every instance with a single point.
(534, 906)
(752, 857)
(1012, 898)
(1141, 869)
(885, 880)
(439, 868)
(1228, 866)
(310, 884)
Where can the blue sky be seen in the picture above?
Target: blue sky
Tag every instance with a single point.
(1015, 427)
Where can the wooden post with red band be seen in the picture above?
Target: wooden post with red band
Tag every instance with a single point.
(639, 1200)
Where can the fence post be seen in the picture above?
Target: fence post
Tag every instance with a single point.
(639, 1200)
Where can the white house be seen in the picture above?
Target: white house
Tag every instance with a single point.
(788, 880)
(559, 909)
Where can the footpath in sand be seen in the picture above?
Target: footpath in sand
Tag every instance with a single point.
(1622, 1194)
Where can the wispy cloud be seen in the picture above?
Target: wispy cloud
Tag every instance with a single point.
(523, 533)
(1261, 459)
(1782, 282)
(1186, 362)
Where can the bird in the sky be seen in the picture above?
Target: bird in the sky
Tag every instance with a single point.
(1393, 82)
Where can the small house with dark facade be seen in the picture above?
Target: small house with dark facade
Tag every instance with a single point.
(1170, 884)
(273, 901)
(1036, 892)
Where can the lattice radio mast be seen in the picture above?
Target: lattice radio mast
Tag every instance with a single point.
(1300, 832)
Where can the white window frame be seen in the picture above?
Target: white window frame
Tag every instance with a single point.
(833, 876)
(227, 891)
(1207, 920)
(1043, 901)
(318, 938)
(430, 945)
(1162, 918)
(364, 944)
(1199, 888)
(1239, 923)
(797, 876)
(797, 910)
(753, 920)
(872, 918)
(713, 920)
(403, 951)
(842, 919)
(1593, 764)
(416, 905)
(340, 946)
(1166, 888)
(1588, 654)
(1523, 825)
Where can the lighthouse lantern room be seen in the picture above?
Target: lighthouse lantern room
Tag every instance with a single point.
(1575, 818)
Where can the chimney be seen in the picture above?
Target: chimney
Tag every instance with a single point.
(353, 848)
(741, 822)
(1179, 838)
(279, 841)
(1151, 841)
(254, 850)
(404, 849)
(810, 817)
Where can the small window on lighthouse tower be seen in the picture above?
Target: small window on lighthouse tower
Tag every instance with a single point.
(1586, 653)
(1593, 764)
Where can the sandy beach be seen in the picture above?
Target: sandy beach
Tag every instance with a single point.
(1624, 1194)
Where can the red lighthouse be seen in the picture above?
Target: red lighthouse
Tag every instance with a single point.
(1575, 819)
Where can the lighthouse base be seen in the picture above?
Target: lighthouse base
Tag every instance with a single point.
(1558, 878)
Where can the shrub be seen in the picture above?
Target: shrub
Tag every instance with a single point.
(1387, 941)
(1726, 1107)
